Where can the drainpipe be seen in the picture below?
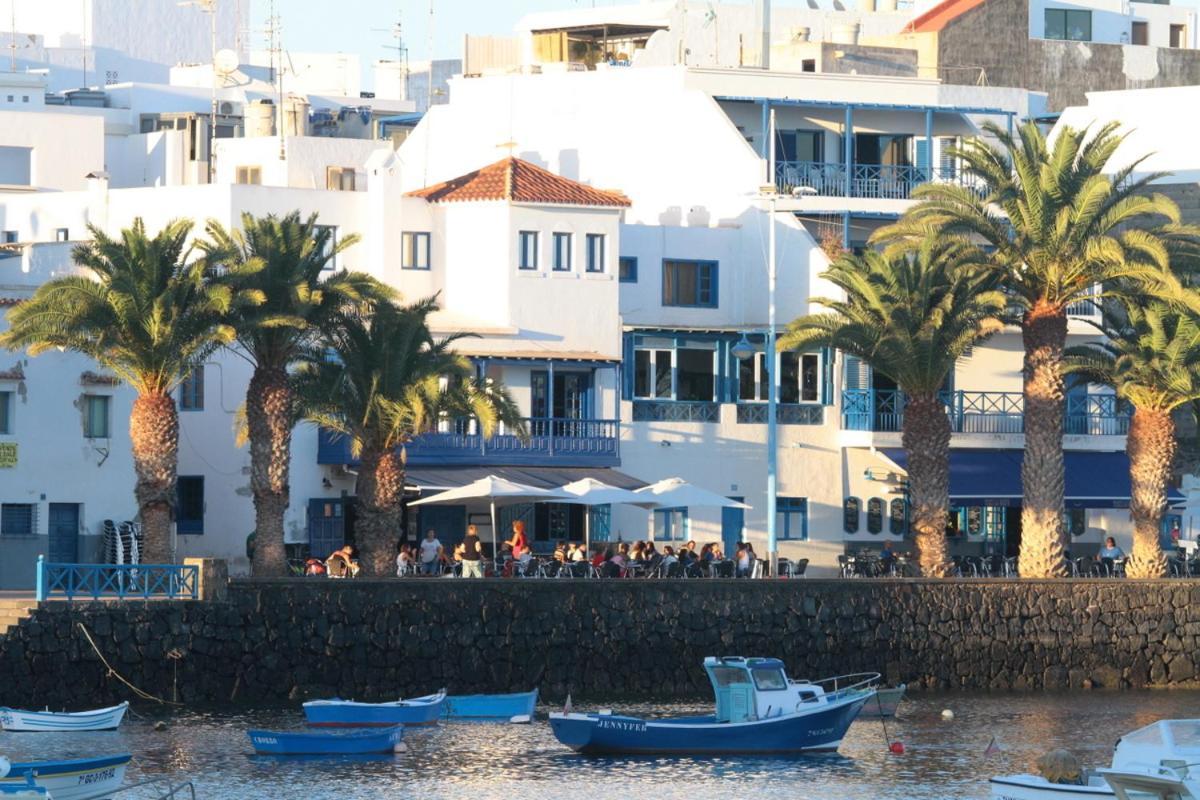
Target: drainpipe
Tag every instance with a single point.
(762, 21)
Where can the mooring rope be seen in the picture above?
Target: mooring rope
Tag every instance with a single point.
(114, 674)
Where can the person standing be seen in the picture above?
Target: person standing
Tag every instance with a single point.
(472, 554)
(431, 551)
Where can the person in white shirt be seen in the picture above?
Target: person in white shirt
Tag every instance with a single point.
(431, 552)
(404, 561)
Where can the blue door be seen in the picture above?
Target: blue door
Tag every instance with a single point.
(326, 526)
(733, 523)
(449, 523)
(64, 533)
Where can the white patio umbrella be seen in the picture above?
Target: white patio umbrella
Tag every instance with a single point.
(497, 491)
(676, 493)
(591, 492)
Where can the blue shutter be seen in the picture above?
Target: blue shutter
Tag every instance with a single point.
(922, 153)
(627, 368)
(600, 522)
(856, 373)
(827, 376)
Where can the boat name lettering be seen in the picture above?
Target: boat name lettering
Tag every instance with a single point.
(98, 776)
(265, 740)
(622, 725)
(820, 732)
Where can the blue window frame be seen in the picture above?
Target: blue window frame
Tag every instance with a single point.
(627, 269)
(18, 519)
(189, 504)
(671, 524)
(414, 247)
(791, 518)
(527, 246)
(562, 251)
(96, 421)
(689, 283)
(191, 390)
(5, 413)
(595, 252)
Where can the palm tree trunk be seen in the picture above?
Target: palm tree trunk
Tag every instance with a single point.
(926, 439)
(154, 433)
(379, 490)
(1043, 550)
(269, 417)
(1151, 448)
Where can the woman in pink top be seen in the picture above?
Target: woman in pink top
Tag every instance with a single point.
(518, 542)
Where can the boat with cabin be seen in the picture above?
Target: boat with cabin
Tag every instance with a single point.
(69, 779)
(100, 719)
(1159, 761)
(758, 710)
(517, 707)
(339, 713)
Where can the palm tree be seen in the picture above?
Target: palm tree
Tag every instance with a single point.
(911, 316)
(288, 261)
(1058, 228)
(1151, 357)
(380, 378)
(150, 317)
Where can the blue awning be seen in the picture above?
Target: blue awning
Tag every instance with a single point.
(993, 477)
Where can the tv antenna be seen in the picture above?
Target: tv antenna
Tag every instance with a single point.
(397, 33)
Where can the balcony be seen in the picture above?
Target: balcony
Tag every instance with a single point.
(675, 411)
(872, 181)
(785, 414)
(557, 442)
(882, 410)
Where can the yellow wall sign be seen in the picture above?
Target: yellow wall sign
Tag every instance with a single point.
(8, 454)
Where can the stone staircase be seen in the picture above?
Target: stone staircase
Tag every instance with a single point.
(13, 610)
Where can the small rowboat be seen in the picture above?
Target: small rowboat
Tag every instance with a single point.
(300, 743)
(338, 713)
(508, 707)
(75, 779)
(101, 719)
(884, 704)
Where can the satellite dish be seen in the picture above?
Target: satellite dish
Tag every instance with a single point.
(225, 62)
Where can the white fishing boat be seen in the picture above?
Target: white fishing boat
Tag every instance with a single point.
(72, 779)
(1158, 762)
(100, 719)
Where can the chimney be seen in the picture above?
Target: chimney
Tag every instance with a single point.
(762, 20)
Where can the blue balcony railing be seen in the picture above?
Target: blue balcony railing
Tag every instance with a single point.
(676, 411)
(875, 181)
(984, 412)
(119, 581)
(785, 414)
(562, 442)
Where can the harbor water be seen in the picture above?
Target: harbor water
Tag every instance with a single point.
(942, 759)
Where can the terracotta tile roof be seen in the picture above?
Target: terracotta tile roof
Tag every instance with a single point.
(935, 19)
(519, 181)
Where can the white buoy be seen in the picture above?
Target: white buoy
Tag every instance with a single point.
(400, 747)
(947, 714)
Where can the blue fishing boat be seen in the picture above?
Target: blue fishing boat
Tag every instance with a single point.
(348, 743)
(337, 713)
(508, 707)
(759, 710)
(70, 779)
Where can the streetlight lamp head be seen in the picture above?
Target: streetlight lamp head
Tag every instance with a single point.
(743, 349)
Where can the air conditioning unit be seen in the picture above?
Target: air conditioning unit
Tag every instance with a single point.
(226, 108)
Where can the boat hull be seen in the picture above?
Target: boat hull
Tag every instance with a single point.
(821, 728)
(281, 743)
(102, 719)
(490, 706)
(348, 714)
(1035, 787)
(75, 779)
(885, 703)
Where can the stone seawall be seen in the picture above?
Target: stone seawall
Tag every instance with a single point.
(276, 642)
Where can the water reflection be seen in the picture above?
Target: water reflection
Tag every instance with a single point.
(476, 760)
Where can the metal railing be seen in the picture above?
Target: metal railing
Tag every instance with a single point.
(876, 181)
(882, 410)
(785, 414)
(675, 411)
(120, 581)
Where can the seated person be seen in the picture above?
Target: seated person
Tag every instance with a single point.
(405, 562)
(343, 563)
(1110, 550)
(578, 554)
(560, 552)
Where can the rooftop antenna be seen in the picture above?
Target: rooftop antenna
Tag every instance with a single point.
(397, 32)
(275, 45)
(429, 100)
(82, 39)
(12, 45)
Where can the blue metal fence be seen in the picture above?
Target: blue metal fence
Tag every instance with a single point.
(121, 581)
(876, 181)
(984, 412)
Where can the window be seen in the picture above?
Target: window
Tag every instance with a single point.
(18, 519)
(627, 269)
(1140, 33)
(874, 515)
(690, 283)
(898, 519)
(1071, 24)
(562, 252)
(249, 175)
(696, 374)
(851, 509)
(799, 378)
(329, 233)
(96, 417)
(595, 252)
(10, 237)
(670, 524)
(791, 518)
(5, 413)
(191, 390)
(752, 378)
(808, 65)
(652, 374)
(769, 680)
(1178, 34)
(1075, 521)
(415, 248)
(62, 234)
(189, 504)
(339, 179)
(527, 244)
